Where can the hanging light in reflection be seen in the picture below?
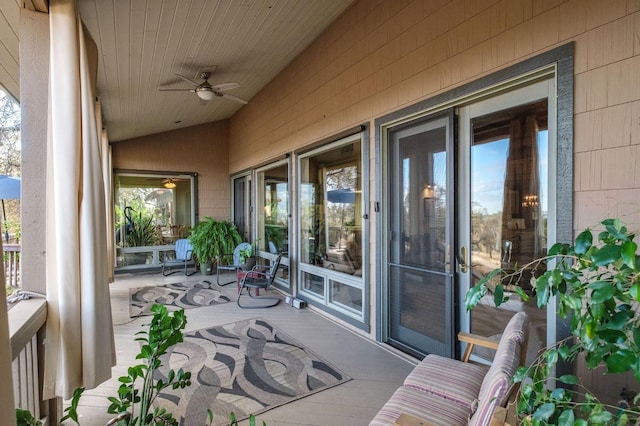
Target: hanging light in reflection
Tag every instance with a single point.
(530, 201)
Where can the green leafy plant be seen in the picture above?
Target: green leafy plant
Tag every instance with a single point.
(211, 239)
(245, 254)
(248, 252)
(26, 418)
(597, 288)
(165, 330)
(232, 419)
(143, 232)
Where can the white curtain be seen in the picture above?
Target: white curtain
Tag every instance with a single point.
(79, 349)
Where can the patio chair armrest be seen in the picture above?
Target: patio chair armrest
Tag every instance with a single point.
(473, 339)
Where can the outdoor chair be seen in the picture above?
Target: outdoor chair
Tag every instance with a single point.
(260, 278)
(183, 256)
(235, 266)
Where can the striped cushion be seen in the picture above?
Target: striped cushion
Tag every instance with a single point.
(437, 411)
(517, 329)
(496, 384)
(454, 380)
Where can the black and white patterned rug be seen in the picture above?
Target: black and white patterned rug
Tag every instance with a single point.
(176, 296)
(245, 367)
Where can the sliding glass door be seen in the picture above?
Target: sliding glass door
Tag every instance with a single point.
(419, 280)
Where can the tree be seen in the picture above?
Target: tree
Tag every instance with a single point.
(10, 155)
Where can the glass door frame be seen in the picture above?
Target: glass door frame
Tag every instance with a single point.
(557, 63)
(525, 94)
(428, 122)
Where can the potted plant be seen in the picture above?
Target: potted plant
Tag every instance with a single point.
(211, 239)
(247, 256)
(596, 286)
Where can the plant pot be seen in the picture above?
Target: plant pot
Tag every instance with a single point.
(248, 264)
(206, 268)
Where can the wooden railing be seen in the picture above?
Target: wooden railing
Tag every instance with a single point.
(12, 264)
(26, 331)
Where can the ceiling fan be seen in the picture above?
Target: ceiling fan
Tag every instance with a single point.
(206, 91)
(170, 183)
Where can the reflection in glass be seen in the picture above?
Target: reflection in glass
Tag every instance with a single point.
(509, 205)
(273, 214)
(150, 210)
(331, 209)
(346, 296)
(313, 284)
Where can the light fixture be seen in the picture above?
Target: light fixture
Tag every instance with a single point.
(428, 192)
(530, 201)
(205, 93)
(169, 184)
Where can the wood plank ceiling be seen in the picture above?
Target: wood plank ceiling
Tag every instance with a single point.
(143, 44)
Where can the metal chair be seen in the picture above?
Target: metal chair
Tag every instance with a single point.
(231, 266)
(184, 256)
(260, 279)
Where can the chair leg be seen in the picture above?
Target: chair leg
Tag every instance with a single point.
(218, 279)
(169, 273)
(270, 301)
(186, 270)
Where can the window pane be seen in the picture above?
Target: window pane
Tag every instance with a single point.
(313, 283)
(273, 213)
(346, 295)
(331, 209)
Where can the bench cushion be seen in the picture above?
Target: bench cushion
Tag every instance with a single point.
(436, 410)
(497, 383)
(454, 380)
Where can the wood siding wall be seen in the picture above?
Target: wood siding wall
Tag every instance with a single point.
(381, 56)
(201, 149)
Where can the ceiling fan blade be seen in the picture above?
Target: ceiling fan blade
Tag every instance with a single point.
(225, 86)
(233, 98)
(176, 90)
(188, 79)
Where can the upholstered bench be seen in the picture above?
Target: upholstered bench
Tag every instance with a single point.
(447, 392)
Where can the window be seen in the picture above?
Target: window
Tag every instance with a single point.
(331, 226)
(272, 183)
(151, 211)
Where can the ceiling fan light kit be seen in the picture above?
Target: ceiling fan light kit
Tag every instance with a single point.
(205, 94)
(206, 91)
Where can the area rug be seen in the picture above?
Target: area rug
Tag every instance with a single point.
(176, 296)
(245, 367)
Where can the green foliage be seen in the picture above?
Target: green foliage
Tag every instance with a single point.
(72, 410)
(597, 287)
(25, 418)
(164, 331)
(143, 232)
(245, 254)
(232, 419)
(212, 239)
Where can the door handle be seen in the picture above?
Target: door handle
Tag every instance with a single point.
(463, 262)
